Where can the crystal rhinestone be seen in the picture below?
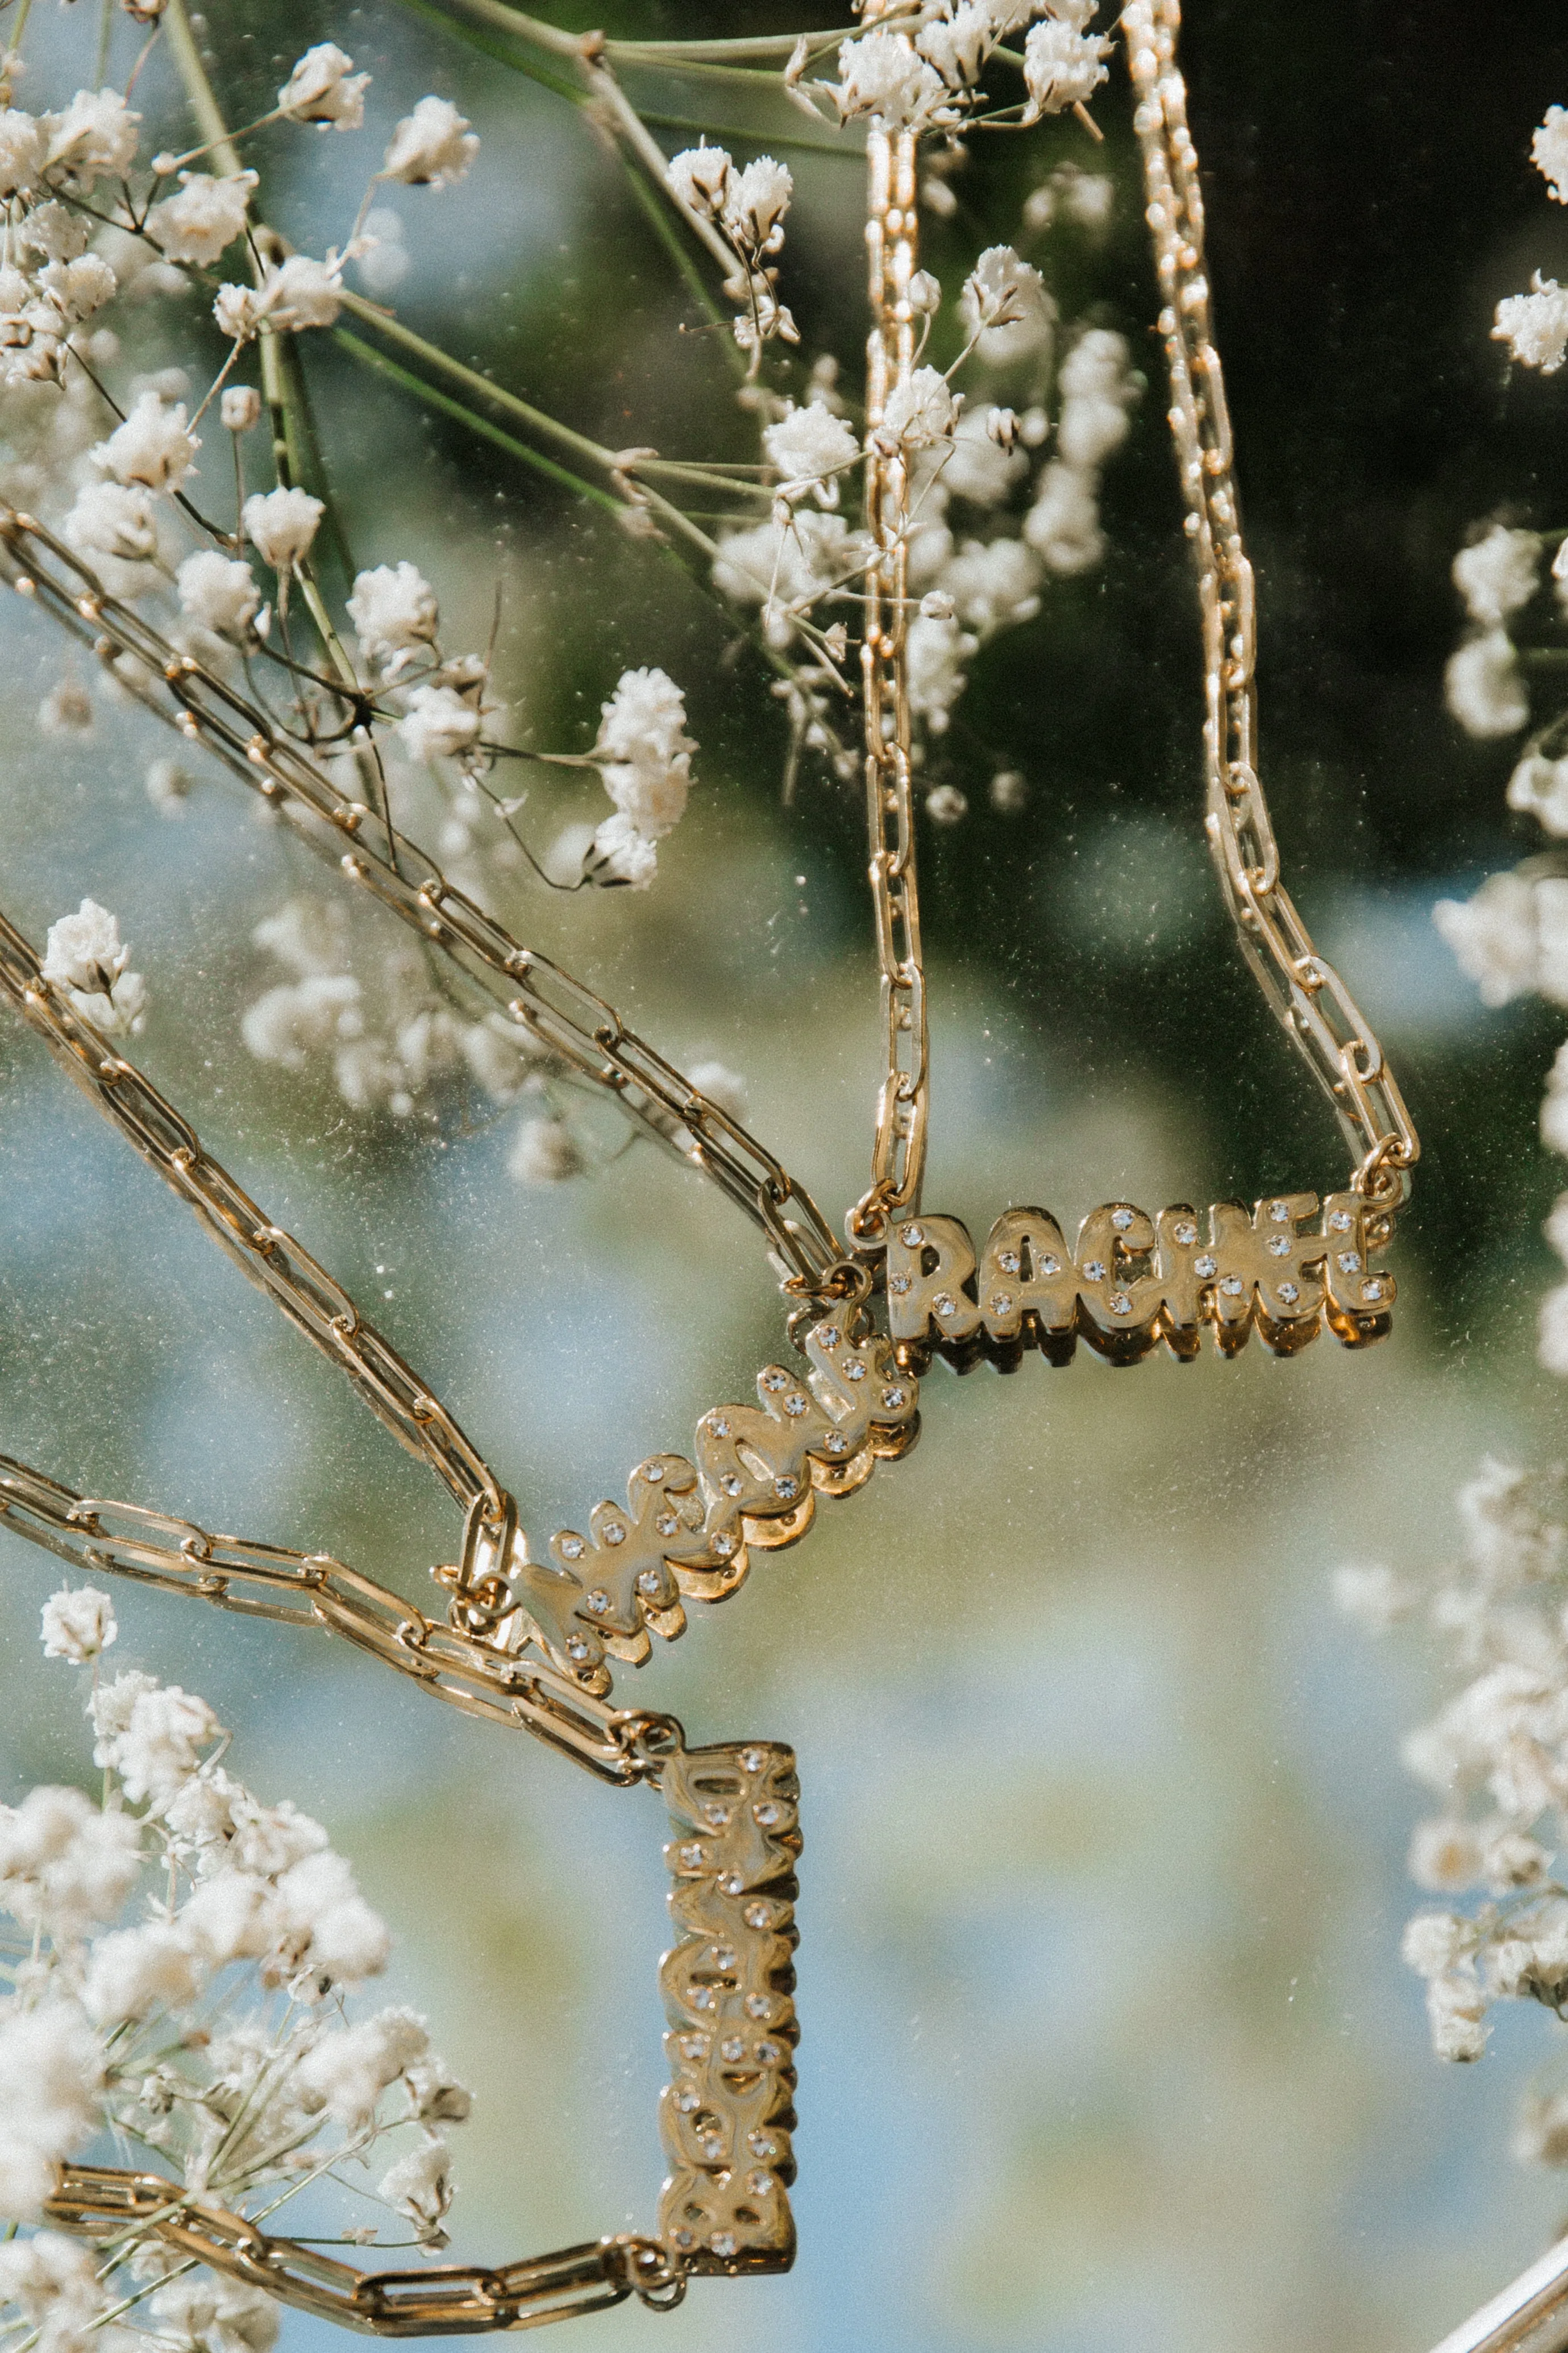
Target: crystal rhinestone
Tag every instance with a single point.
(1349, 1262)
(762, 2144)
(769, 2054)
(575, 1647)
(759, 1915)
(649, 1581)
(598, 1601)
(1122, 1220)
(945, 1303)
(855, 1372)
(893, 1400)
(732, 1883)
(1232, 1286)
(702, 1997)
(758, 2185)
(1049, 1265)
(1340, 1221)
(1278, 1246)
(1119, 1304)
(795, 1403)
(723, 1544)
(835, 1442)
(684, 2238)
(732, 1483)
(667, 1524)
(614, 1531)
(1186, 1231)
(758, 2006)
(731, 2048)
(572, 1547)
(692, 1857)
(753, 1759)
(687, 2101)
(713, 2145)
(786, 1488)
(718, 1425)
(723, 2242)
(775, 1379)
(1371, 1289)
(1207, 1265)
(1288, 1293)
(912, 1237)
(1095, 1271)
(717, 1815)
(767, 1815)
(1001, 1302)
(653, 1473)
(693, 2047)
(828, 1335)
(724, 1956)
(1279, 1211)
(897, 1285)
(1009, 1261)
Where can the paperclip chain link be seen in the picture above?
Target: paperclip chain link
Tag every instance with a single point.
(1300, 983)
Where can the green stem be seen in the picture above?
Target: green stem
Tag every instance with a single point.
(367, 356)
(198, 90)
(691, 277)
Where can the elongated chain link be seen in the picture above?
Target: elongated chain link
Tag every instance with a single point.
(261, 1580)
(898, 1151)
(586, 1035)
(1300, 985)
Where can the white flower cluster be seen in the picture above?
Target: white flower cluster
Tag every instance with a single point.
(644, 755)
(1497, 1756)
(154, 1930)
(966, 466)
(747, 208)
(84, 955)
(927, 79)
(1534, 327)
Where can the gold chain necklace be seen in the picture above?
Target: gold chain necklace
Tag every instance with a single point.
(526, 1642)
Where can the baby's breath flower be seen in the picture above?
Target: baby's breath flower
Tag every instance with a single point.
(78, 1625)
(756, 201)
(66, 709)
(945, 805)
(23, 146)
(323, 87)
(958, 43)
(1534, 327)
(205, 219)
(152, 446)
(700, 176)
(1539, 787)
(919, 412)
(83, 955)
(95, 135)
(394, 612)
(115, 520)
(281, 526)
(881, 75)
(1063, 524)
(219, 594)
(136, 1971)
(437, 724)
(1005, 306)
(1372, 1595)
(1549, 152)
(419, 2187)
(938, 651)
(1483, 684)
(1497, 574)
(1062, 67)
(543, 1151)
(810, 447)
(722, 1086)
(431, 148)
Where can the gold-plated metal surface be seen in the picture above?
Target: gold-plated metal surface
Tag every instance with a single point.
(1131, 1282)
(1300, 985)
(547, 1005)
(898, 1151)
(1529, 2317)
(728, 2110)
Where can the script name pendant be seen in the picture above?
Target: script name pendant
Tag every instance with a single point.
(1131, 1281)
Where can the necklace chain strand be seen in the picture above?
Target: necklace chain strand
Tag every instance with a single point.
(1301, 986)
(543, 999)
(898, 1151)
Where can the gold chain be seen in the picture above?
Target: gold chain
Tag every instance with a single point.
(1300, 985)
(586, 1035)
(898, 1151)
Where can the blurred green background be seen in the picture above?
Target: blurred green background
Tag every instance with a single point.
(1106, 2042)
